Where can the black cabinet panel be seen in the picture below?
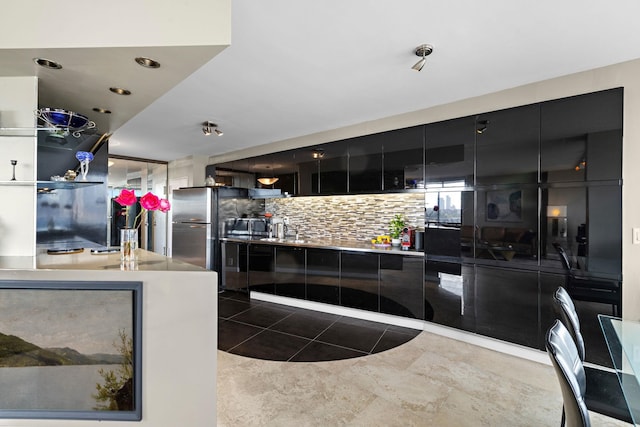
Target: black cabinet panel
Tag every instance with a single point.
(403, 161)
(365, 164)
(506, 305)
(261, 268)
(507, 144)
(449, 294)
(449, 155)
(333, 167)
(401, 291)
(234, 266)
(581, 137)
(323, 275)
(359, 280)
(290, 272)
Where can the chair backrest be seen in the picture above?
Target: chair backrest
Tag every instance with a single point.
(564, 258)
(567, 312)
(570, 372)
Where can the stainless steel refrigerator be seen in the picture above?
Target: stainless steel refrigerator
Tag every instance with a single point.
(197, 225)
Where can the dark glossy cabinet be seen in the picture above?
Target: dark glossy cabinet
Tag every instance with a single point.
(323, 275)
(450, 152)
(289, 278)
(507, 146)
(365, 163)
(403, 158)
(449, 290)
(262, 268)
(401, 293)
(235, 275)
(359, 280)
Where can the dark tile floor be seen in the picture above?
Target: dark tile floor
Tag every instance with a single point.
(269, 331)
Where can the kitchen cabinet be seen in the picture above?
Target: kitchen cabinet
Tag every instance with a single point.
(359, 280)
(507, 146)
(332, 168)
(323, 275)
(235, 275)
(403, 158)
(289, 277)
(450, 152)
(401, 290)
(262, 268)
(365, 164)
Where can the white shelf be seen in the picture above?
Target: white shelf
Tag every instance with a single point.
(17, 183)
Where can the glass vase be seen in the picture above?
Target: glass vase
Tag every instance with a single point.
(128, 244)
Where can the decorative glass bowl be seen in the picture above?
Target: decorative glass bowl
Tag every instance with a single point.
(59, 118)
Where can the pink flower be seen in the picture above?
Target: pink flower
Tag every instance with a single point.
(150, 202)
(126, 198)
(164, 205)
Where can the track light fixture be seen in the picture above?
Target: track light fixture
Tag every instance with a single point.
(210, 128)
(422, 51)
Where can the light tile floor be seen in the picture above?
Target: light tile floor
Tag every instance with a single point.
(429, 381)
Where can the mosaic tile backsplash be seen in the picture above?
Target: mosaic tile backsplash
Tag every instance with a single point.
(353, 217)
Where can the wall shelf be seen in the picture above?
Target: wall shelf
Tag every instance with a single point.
(54, 185)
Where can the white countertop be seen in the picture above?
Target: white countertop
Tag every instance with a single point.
(85, 260)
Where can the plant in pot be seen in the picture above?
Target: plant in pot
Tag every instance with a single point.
(396, 225)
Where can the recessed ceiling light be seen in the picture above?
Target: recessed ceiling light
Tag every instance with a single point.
(120, 91)
(147, 62)
(47, 63)
(101, 110)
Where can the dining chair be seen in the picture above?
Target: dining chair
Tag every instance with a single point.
(588, 289)
(570, 372)
(603, 393)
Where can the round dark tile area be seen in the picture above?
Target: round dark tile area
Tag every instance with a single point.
(268, 331)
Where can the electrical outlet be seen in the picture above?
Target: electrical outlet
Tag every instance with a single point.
(636, 236)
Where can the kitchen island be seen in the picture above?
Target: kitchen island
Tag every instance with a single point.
(179, 332)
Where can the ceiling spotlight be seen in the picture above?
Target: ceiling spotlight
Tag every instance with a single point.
(422, 51)
(210, 128)
(120, 91)
(317, 154)
(47, 63)
(147, 62)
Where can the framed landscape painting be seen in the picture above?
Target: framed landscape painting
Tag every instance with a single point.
(70, 350)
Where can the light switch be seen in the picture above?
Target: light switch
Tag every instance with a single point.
(636, 236)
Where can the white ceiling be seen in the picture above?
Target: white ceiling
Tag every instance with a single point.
(295, 67)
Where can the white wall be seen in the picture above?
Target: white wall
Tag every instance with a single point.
(620, 75)
(18, 101)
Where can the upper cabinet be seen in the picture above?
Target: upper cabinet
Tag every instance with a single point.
(581, 137)
(449, 156)
(365, 163)
(403, 160)
(507, 146)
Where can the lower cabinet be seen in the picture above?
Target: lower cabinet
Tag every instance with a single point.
(323, 275)
(235, 275)
(401, 293)
(289, 277)
(262, 268)
(359, 287)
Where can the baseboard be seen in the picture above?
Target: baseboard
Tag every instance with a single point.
(456, 334)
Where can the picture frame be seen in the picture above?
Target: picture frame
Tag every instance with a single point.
(71, 350)
(504, 205)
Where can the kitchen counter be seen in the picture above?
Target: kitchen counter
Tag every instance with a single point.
(179, 311)
(85, 260)
(343, 245)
